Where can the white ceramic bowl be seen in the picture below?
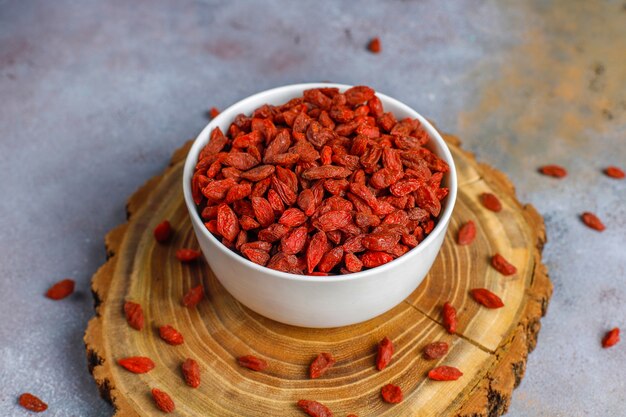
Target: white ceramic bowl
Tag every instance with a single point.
(313, 301)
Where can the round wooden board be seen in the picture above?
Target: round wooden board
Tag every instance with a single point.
(490, 348)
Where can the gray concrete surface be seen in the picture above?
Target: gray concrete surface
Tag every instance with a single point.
(95, 96)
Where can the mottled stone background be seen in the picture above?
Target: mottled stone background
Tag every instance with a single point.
(95, 96)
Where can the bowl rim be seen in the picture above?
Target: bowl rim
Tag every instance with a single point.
(229, 113)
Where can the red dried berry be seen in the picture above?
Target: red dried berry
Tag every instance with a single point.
(449, 317)
(322, 363)
(314, 409)
(391, 394)
(136, 364)
(187, 255)
(491, 202)
(61, 289)
(227, 222)
(502, 265)
(374, 46)
(486, 298)
(553, 171)
(444, 373)
(32, 403)
(163, 401)
(170, 335)
(214, 112)
(385, 352)
(467, 233)
(435, 350)
(191, 373)
(193, 296)
(252, 362)
(614, 172)
(163, 231)
(611, 338)
(592, 221)
(373, 259)
(134, 315)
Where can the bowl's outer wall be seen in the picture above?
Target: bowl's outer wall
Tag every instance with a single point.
(317, 302)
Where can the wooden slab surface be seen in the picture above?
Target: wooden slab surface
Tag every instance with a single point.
(491, 346)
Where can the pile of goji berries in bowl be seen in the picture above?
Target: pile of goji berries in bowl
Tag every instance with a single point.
(320, 205)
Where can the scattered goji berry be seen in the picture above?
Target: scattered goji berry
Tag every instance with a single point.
(32, 403)
(444, 373)
(163, 231)
(592, 221)
(61, 289)
(187, 255)
(252, 362)
(163, 401)
(611, 338)
(314, 409)
(193, 296)
(449, 317)
(502, 265)
(435, 350)
(486, 298)
(170, 335)
(322, 363)
(614, 172)
(374, 46)
(137, 364)
(385, 352)
(491, 202)
(391, 394)
(553, 171)
(467, 233)
(191, 372)
(214, 112)
(134, 315)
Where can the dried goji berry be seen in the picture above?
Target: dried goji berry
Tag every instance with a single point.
(32, 403)
(353, 264)
(163, 231)
(252, 362)
(294, 242)
(137, 364)
(374, 46)
(227, 222)
(61, 289)
(170, 335)
(449, 317)
(502, 265)
(314, 409)
(214, 112)
(391, 394)
(385, 352)
(187, 255)
(553, 171)
(191, 372)
(435, 350)
(611, 338)
(491, 202)
(486, 298)
(614, 172)
(372, 259)
(134, 315)
(467, 233)
(322, 363)
(444, 373)
(163, 401)
(592, 221)
(193, 296)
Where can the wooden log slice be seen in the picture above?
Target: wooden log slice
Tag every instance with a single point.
(490, 348)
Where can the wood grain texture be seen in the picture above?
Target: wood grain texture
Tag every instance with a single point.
(490, 348)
